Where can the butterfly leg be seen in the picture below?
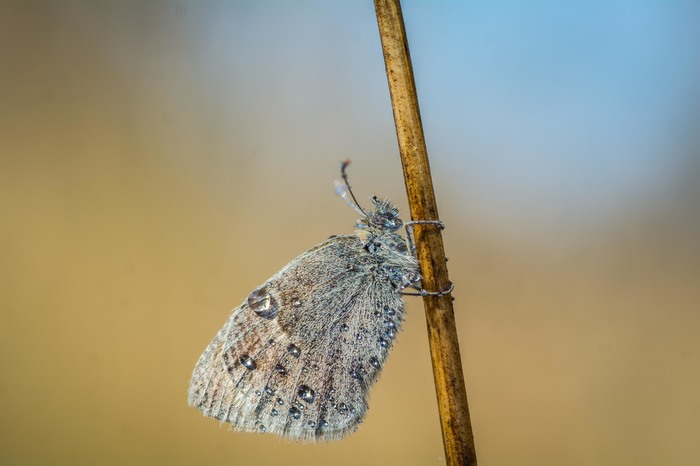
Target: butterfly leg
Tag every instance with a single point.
(409, 232)
(422, 292)
(412, 248)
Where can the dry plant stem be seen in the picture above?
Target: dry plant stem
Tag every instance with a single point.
(457, 433)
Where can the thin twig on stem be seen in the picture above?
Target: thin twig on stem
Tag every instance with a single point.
(457, 433)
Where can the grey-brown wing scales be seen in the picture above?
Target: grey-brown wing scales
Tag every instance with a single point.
(299, 356)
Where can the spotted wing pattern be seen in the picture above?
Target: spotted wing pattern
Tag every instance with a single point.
(298, 357)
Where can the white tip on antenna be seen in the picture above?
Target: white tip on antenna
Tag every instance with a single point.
(343, 189)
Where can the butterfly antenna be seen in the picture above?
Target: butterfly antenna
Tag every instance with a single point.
(344, 188)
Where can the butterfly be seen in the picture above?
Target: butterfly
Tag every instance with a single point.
(298, 357)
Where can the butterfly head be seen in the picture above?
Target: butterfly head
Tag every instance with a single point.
(377, 229)
(384, 217)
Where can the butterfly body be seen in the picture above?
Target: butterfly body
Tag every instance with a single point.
(299, 355)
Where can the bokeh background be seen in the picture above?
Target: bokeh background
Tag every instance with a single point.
(158, 160)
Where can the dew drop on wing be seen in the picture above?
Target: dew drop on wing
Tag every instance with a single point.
(306, 393)
(262, 303)
(248, 362)
(294, 412)
(294, 350)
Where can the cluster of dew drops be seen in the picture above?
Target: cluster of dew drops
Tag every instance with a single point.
(264, 305)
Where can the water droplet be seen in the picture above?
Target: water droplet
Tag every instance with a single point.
(311, 424)
(344, 328)
(294, 412)
(383, 343)
(294, 350)
(353, 411)
(377, 313)
(280, 369)
(390, 324)
(280, 401)
(306, 393)
(388, 311)
(374, 362)
(324, 423)
(296, 302)
(305, 370)
(269, 391)
(274, 412)
(258, 393)
(390, 334)
(342, 408)
(359, 337)
(262, 428)
(392, 223)
(349, 266)
(262, 303)
(248, 362)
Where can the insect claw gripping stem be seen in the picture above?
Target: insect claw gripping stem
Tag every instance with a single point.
(424, 293)
(426, 222)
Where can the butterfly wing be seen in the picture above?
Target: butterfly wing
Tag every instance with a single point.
(299, 356)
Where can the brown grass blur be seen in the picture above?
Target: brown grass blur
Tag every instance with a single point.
(141, 200)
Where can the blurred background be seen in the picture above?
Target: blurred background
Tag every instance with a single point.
(160, 159)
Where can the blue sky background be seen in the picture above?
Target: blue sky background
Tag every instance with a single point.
(570, 112)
